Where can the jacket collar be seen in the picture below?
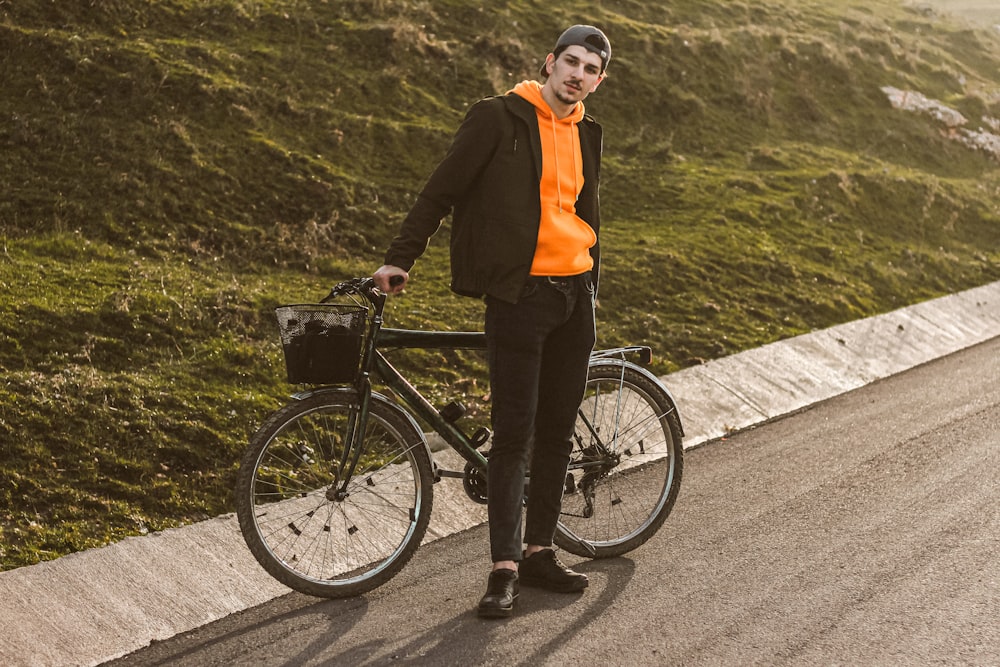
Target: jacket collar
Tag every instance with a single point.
(525, 110)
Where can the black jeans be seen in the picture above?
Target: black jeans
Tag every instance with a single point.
(539, 349)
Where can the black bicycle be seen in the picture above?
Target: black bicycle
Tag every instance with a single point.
(335, 490)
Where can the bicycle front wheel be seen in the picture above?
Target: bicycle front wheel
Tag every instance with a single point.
(625, 469)
(308, 528)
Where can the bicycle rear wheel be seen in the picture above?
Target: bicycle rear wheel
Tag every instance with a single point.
(625, 469)
(303, 526)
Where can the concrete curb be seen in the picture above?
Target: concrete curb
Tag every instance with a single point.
(748, 388)
(97, 605)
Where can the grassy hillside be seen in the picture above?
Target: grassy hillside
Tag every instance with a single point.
(174, 169)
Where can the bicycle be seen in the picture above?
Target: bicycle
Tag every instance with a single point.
(335, 490)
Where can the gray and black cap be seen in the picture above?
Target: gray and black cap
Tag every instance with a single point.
(587, 36)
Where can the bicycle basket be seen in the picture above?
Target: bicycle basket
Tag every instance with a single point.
(322, 342)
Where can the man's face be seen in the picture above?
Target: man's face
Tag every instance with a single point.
(574, 74)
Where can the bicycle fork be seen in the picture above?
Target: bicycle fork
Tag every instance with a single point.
(357, 422)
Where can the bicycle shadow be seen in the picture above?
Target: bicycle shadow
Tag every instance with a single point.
(462, 638)
(243, 628)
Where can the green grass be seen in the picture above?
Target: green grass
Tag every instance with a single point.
(174, 170)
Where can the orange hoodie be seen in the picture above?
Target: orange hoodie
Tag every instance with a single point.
(564, 240)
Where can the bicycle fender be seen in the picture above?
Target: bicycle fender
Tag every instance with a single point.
(380, 398)
(612, 361)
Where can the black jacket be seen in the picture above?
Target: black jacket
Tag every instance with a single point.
(490, 180)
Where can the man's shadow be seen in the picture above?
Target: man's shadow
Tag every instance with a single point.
(465, 638)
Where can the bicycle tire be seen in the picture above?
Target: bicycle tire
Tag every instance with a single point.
(299, 530)
(633, 485)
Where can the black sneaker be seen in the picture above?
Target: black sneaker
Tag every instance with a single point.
(543, 570)
(501, 592)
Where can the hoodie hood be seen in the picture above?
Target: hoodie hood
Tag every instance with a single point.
(532, 91)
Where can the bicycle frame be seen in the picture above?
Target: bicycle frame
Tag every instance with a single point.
(374, 363)
(410, 339)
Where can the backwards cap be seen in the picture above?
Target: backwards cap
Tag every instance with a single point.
(588, 37)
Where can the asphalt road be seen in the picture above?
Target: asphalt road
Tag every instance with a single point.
(863, 531)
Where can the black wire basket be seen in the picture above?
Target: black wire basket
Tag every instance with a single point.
(322, 342)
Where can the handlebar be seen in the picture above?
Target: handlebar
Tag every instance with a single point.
(362, 286)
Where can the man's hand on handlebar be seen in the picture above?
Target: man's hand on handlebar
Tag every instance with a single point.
(390, 279)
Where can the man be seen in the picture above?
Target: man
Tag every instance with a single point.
(521, 179)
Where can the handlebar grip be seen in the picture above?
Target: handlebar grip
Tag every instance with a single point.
(395, 280)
